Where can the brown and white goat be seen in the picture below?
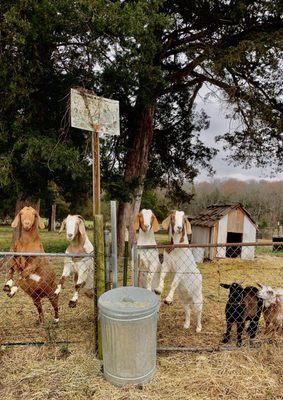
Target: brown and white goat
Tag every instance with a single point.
(147, 224)
(187, 281)
(272, 308)
(36, 277)
(81, 267)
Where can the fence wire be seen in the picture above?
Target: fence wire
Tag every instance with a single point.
(210, 295)
(35, 309)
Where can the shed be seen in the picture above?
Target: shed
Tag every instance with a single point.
(224, 223)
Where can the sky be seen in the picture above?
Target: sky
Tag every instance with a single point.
(213, 106)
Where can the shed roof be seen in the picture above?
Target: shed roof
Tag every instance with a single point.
(215, 212)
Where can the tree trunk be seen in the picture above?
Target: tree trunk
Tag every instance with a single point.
(52, 219)
(20, 203)
(135, 169)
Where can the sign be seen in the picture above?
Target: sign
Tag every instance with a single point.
(88, 110)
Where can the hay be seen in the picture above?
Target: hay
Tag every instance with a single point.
(40, 374)
(72, 372)
(265, 269)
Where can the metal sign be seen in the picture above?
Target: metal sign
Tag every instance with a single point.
(88, 110)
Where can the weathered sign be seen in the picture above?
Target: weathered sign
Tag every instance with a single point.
(89, 110)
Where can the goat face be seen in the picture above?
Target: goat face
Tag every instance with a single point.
(73, 225)
(28, 217)
(266, 293)
(235, 292)
(146, 220)
(178, 223)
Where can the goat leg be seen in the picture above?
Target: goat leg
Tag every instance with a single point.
(74, 299)
(227, 335)
(240, 329)
(38, 305)
(10, 280)
(54, 302)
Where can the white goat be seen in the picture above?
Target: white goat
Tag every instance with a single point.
(81, 267)
(272, 307)
(146, 222)
(187, 280)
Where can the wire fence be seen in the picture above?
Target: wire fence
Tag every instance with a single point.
(39, 306)
(210, 294)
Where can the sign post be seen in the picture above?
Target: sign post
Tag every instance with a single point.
(100, 116)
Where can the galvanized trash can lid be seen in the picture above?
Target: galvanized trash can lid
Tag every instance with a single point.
(127, 303)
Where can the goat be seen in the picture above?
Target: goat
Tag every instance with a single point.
(82, 268)
(272, 307)
(37, 278)
(147, 224)
(243, 305)
(187, 279)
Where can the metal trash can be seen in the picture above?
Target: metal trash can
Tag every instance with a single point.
(128, 317)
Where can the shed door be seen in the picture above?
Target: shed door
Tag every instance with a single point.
(233, 251)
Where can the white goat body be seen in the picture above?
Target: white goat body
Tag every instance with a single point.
(82, 268)
(146, 222)
(187, 279)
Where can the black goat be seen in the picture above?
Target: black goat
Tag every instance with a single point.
(243, 305)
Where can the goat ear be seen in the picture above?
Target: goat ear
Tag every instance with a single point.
(82, 227)
(259, 285)
(136, 223)
(225, 285)
(188, 226)
(16, 221)
(155, 224)
(62, 227)
(166, 222)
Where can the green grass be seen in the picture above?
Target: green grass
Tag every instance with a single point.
(52, 241)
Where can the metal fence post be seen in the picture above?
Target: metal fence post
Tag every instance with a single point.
(114, 244)
(107, 260)
(126, 257)
(100, 273)
(135, 265)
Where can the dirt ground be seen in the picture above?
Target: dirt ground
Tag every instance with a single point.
(72, 371)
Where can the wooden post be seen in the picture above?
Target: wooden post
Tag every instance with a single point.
(100, 272)
(96, 170)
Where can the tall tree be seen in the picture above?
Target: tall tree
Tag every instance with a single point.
(162, 48)
(35, 151)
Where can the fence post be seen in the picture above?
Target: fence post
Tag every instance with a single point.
(135, 265)
(99, 275)
(114, 244)
(126, 257)
(107, 260)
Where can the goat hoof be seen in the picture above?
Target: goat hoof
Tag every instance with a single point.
(72, 304)
(7, 288)
(225, 340)
(56, 320)
(158, 292)
(11, 294)
(168, 302)
(186, 326)
(198, 329)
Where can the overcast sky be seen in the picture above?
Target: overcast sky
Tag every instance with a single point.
(213, 106)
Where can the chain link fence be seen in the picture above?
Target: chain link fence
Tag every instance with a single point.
(205, 290)
(34, 310)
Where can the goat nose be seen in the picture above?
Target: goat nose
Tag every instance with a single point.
(69, 235)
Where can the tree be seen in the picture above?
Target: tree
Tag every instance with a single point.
(36, 150)
(158, 48)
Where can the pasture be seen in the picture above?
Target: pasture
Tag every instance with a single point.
(71, 371)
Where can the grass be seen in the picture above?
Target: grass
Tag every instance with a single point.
(72, 371)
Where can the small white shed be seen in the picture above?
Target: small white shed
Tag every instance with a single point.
(224, 223)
